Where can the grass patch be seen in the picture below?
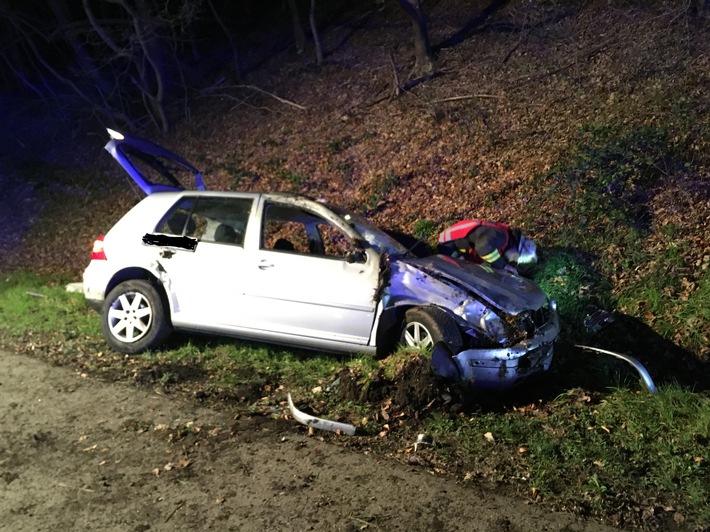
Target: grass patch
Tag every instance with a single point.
(567, 278)
(294, 179)
(599, 449)
(379, 188)
(32, 303)
(425, 230)
(605, 181)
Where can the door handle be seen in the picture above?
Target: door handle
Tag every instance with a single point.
(264, 265)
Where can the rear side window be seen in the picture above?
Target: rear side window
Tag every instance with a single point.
(178, 220)
(218, 220)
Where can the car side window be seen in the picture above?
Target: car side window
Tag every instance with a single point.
(210, 219)
(178, 221)
(335, 243)
(294, 230)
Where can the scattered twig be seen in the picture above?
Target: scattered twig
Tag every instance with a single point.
(242, 101)
(61, 485)
(180, 505)
(467, 97)
(396, 90)
(588, 54)
(35, 294)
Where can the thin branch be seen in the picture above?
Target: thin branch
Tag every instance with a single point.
(262, 91)
(588, 54)
(101, 32)
(396, 90)
(467, 97)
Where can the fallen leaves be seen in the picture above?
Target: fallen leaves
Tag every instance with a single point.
(181, 463)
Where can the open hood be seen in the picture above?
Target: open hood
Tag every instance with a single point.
(511, 293)
(152, 167)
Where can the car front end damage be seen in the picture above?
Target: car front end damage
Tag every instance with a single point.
(508, 324)
(505, 367)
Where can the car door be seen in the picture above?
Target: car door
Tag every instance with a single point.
(199, 247)
(308, 278)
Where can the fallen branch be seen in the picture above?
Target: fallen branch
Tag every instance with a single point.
(468, 97)
(262, 91)
(396, 89)
(179, 505)
(587, 54)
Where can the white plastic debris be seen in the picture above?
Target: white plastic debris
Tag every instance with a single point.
(631, 360)
(319, 423)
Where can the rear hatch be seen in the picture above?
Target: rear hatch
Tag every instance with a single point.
(152, 167)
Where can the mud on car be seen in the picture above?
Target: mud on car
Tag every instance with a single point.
(286, 269)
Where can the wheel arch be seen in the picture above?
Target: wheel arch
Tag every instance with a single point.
(137, 273)
(392, 319)
(130, 274)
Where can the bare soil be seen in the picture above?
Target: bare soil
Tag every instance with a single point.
(76, 454)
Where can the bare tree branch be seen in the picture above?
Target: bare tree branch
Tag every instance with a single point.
(105, 37)
(467, 97)
(262, 91)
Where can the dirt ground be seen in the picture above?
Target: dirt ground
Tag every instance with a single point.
(81, 454)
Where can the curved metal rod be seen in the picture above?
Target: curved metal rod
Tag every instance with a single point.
(319, 423)
(631, 360)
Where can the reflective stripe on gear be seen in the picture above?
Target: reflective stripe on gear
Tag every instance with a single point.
(492, 256)
(458, 230)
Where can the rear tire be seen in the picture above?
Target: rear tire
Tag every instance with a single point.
(424, 326)
(134, 318)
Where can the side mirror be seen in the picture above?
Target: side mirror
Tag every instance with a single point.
(356, 256)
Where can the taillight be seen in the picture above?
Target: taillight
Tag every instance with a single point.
(97, 253)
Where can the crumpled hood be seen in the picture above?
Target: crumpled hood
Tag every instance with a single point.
(510, 293)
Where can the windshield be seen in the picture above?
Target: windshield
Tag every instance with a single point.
(376, 237)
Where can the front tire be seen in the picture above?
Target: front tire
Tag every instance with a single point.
(134, 318)
(424, 326)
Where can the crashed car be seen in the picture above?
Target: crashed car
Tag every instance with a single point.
(290, 270)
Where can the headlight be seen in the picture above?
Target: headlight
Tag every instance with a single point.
(482, 319)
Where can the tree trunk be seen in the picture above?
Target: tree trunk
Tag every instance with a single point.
(314, 31)
(232, 44)
(151, 63)
(299, 35)
(85, 61)
(424, 58)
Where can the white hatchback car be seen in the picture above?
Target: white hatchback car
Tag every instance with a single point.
(286, 269)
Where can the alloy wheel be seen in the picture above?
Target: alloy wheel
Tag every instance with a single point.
(130, 317)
